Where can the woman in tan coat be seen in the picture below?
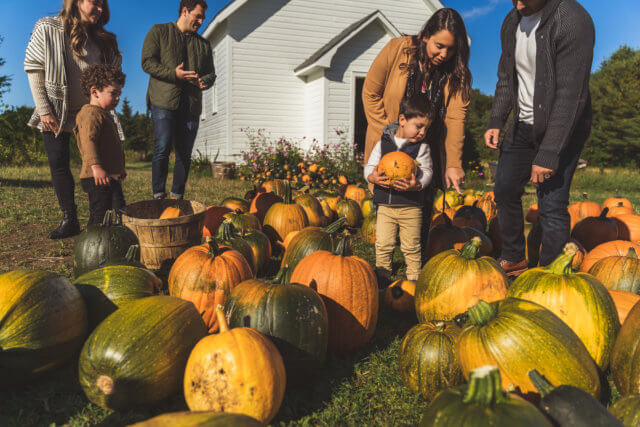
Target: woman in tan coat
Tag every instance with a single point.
(434, 63)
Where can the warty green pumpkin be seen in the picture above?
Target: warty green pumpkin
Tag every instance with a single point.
(427, 358)
(578, 299)
(518, 336)
(350, 209)
(43, 322)
(137, 356)
(107, 288)
(291, 315)
(455, 280)
(481, 403)
(625, 358)
(368, 229)
(619, 273)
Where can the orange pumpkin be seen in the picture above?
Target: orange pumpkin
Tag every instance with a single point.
(619, 209)
(616, 201)
(584, 209)
(613, 248)
(262, 202)
(489, 195)
(235, 204)
(213, 217)
(397, 165)
(313, 209)
(629, 227)
(171, 212)
(349, 289)
(399, 296)
(205, 275)
(624, 302)
(355, 192)
(489, 208)
(283, 218)
(276, 186)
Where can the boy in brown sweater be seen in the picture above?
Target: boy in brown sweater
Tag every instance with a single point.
(103, 167)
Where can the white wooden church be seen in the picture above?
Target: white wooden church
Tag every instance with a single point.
(296, 67)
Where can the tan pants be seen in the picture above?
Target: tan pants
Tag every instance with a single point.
(409, 220)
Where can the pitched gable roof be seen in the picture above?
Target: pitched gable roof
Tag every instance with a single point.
(322, 57)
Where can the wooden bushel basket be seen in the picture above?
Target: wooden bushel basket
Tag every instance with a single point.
(163, 240)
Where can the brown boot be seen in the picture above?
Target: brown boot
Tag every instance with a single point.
(513, 269)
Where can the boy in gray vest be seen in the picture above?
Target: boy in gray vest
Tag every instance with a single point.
(400, 205)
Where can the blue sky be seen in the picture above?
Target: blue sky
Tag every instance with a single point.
(616, 24)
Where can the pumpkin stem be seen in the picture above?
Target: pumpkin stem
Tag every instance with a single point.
(541, 384)
(562, 264)
(584, 196)
(603, 214)
(282, 278)
(632, 253)
(471, 249)
(227, 231)
(439, 326)
(222, 321)
(108, 217)
(481, 313)
(287, 192)
(341, 247)
(485, 387)
(335, 226)
(133, 253)
(213, 246)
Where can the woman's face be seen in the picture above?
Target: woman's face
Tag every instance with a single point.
(90, 11)
(440, 47)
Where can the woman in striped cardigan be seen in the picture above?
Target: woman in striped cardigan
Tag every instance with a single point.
(60, 48)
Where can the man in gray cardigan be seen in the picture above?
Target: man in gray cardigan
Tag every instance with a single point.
(180, 65)
(547, 51)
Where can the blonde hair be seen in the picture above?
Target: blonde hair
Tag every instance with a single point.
(78, 34)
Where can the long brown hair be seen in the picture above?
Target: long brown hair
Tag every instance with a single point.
(78, 33)
(455, 71)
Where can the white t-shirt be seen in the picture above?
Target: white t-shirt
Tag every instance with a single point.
(526, 64)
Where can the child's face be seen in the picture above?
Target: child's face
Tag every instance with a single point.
(108, 97)
(413, 129)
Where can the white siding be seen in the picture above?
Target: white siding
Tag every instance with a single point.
(213, 133)
(314, 108)
(271, 38)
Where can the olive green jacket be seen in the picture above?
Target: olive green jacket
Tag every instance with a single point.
(166, 47)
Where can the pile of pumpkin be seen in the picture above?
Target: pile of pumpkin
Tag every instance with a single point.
(227, 337)
(302, 174)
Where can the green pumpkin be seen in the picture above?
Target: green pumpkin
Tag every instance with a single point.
(234, 203)
(620, 273)
(625, 358)
(291, 315)
(368, 229)
(627, 410)
(243, 221)
(578, 299)
(427, 358)
(107, 288)
(226, 237)
(43, 322)
(481, 403)
(518, 336)
(137, 355)
(368, 207)
(200, 419)
(350, 209)
(260, 246)
(102, 244)
(309, 240)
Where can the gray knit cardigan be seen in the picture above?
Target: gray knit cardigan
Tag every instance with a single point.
(562, 101)
(46, 52)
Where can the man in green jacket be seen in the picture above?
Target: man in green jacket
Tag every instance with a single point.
(180, 66)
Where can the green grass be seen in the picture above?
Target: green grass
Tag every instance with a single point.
(361, 389)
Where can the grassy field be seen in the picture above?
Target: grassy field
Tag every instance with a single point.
(361, 389)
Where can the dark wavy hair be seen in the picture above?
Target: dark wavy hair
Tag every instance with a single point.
(101, 76)
(456, 70)
(191, 4)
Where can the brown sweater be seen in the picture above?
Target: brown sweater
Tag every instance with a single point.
(98, 142)
(383, 90)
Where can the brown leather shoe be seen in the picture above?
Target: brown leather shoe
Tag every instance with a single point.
(513, 269)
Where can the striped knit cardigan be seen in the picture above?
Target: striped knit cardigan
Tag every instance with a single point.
(44, 51)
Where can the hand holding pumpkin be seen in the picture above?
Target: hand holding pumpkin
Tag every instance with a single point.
(378, 178)
(407, 184)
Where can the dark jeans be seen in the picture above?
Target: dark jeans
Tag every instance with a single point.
(102, 198)
(513, 173)
(172, 128)
(427, 213)
(58, 154)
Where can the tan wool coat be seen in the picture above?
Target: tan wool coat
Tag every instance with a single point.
(383, 90)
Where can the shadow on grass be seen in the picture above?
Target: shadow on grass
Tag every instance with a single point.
(24, 183)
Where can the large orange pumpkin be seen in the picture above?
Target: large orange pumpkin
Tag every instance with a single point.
(629, 227)
(205, 275)
(355, 192)
(213, 217)
(283, 218)
(624, 302)
(619, 209)
(262, 202)
(397, 165)
(584, 209)
(349, 289)
(614, 248)
(616, 201)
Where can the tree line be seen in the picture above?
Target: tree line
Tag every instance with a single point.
(614, 141)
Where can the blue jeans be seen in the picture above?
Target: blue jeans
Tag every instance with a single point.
(513, 174)
(172, 128)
